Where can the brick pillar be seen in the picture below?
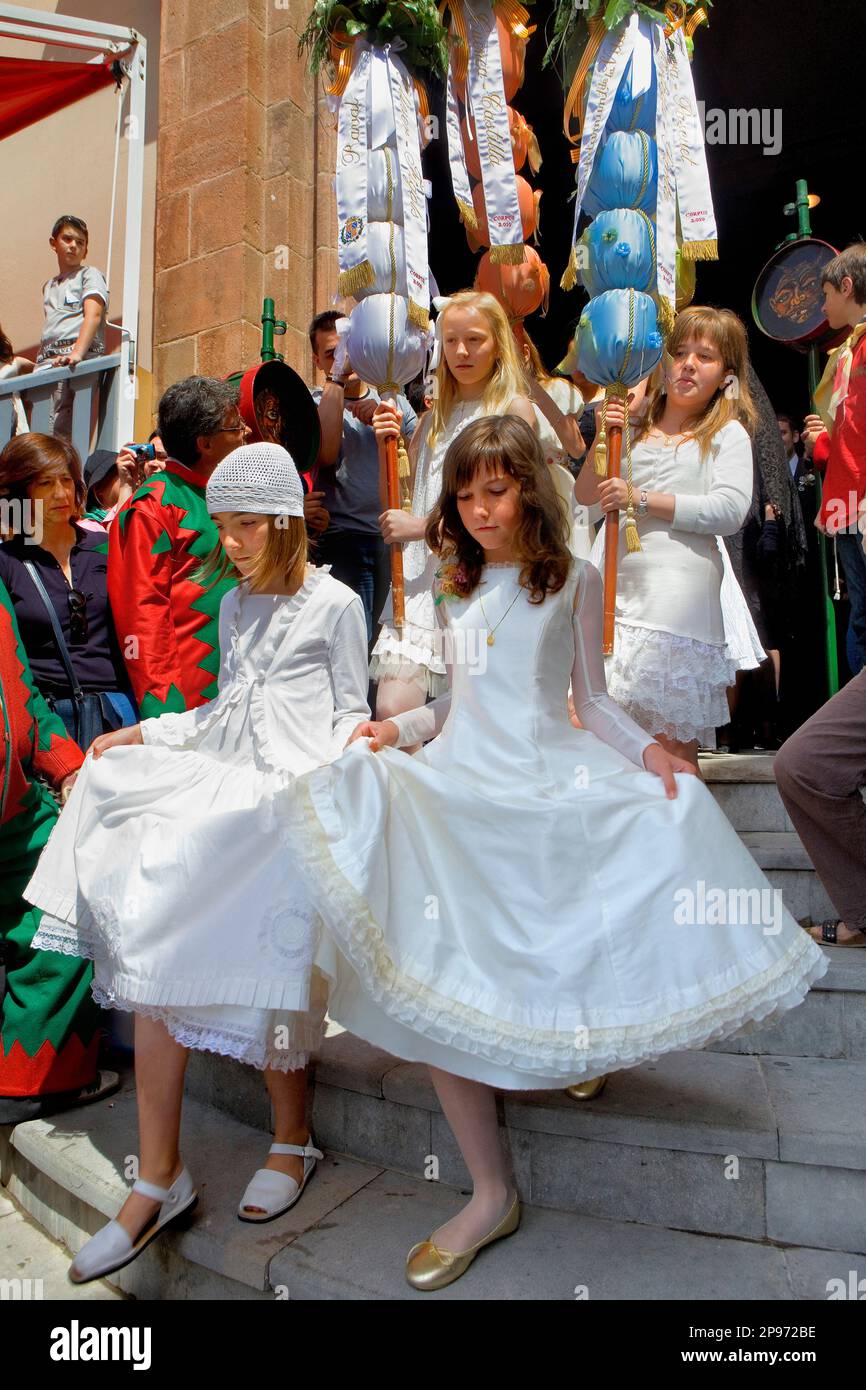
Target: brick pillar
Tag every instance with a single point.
(245, 205)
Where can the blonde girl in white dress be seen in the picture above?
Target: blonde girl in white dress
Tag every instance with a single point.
(511, 905)
(164, 867)
(479, 372)
(692, 484)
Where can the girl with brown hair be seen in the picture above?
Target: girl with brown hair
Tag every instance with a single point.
(506, 901)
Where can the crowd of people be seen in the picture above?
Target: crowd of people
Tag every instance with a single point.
(217, 629)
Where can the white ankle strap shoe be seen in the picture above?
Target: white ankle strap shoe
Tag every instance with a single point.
(113, 1246)
(274, 1193)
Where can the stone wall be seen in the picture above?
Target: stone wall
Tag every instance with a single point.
(245, 205)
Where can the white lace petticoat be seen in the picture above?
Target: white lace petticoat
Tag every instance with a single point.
(670, 685)
(283, 1040)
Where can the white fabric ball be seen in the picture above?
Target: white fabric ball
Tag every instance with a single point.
(377, 186)
(370, 330)
(379, 256)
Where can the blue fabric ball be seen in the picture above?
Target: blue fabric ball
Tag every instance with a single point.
(630, 112)
(625, 174)
(604, 352)
(615, 253)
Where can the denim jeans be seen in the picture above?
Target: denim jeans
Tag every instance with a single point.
(360, 560)
(853, 562)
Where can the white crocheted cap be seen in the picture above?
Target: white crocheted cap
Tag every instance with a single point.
(256, 478)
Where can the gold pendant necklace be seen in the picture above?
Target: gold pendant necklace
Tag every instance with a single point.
(491, 630)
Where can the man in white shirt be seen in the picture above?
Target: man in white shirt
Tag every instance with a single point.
(75, 302)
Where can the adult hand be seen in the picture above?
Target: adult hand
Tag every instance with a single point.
(128, 468)
(120, 738)
(398, 527)
(381, 733)
(813, 426)
(316, 516)
(363, 410)
(387, 421)
(66, 787)
(657, 759)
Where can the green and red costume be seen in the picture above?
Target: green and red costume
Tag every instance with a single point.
(49, 1024)
(166, 622)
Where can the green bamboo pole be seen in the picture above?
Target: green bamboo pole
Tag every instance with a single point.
(831, 656)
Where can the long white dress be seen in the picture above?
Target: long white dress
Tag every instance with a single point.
(417, 653)
(165, 867)
(520, 903)
(683, 627)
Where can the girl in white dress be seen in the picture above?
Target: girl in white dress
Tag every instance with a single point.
(522, 904)
(692, 483)
(479, 372)
(164, 867)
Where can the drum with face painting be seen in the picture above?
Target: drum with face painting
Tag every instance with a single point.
(788, 295)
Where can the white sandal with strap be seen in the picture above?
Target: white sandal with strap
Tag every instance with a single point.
(276, 1192)
(113, 1246)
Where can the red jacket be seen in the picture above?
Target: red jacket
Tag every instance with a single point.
(33, 741)
(845, 476)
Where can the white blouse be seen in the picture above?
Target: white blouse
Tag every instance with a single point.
(292, 680)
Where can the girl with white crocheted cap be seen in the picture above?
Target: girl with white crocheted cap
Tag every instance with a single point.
(163, 866)
(682, 624)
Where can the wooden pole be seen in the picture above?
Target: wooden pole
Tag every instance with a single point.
(392, 493)
(611, 541)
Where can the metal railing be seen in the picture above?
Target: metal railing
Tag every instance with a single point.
(96, 388)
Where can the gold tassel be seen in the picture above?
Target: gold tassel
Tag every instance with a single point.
(358, 277)
(508, 255)
(601, 455)
(420, 317)
(632, 539)
(404, 467)
(569, 275)
(666, 316)
(468, 215)
(700, 250)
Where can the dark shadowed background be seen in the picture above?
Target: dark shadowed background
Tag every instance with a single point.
(801, 58)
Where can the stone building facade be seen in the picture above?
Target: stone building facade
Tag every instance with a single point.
(245, 205)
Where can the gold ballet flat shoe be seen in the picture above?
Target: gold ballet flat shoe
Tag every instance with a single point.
(587, 1090)
(429, 1268)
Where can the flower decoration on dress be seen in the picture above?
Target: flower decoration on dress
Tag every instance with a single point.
(450, 579)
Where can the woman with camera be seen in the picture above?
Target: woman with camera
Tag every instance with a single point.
(55, 570)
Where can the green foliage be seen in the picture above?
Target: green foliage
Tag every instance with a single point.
(416, 22)
(570, 26)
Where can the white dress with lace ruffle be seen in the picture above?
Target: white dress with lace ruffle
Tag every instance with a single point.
(520, 903)
(164, 866)
(683, 627)
(417, 653)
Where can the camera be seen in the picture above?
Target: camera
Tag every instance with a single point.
(145, 453)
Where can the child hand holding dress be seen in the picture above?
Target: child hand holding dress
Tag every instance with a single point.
(520, 904)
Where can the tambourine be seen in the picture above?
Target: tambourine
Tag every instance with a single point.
(788, 294)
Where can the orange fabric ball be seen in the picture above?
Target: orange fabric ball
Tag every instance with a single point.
(528, 200)
(520, 289)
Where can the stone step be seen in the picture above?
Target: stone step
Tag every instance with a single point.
(794, 1125)
(348, 1236)
(785, 862)
(744, 787)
